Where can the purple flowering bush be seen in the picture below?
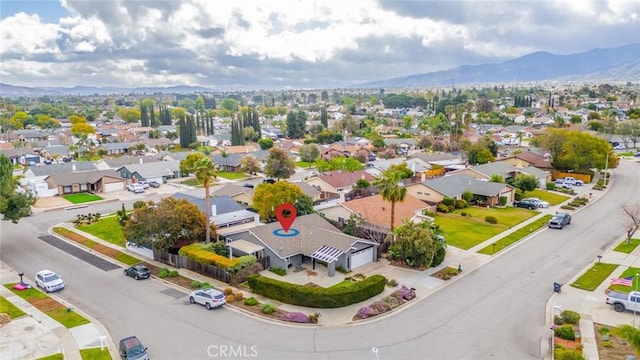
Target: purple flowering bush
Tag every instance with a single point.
(295, 317)
(366, 312)
(404, 293)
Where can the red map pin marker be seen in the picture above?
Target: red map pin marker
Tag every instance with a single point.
(286, 222)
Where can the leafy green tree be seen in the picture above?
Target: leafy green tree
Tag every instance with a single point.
(82, 128)
(525, 182)
(304, 205)
(14, 205)
(279, 165)
(414, 243)
(391, 190)
(402, 169)
(173, 222)
(309, 153)
(249, 165)
(497, 178)
(267, 197)
(230, 105)
(577, 150)
(296, 124)
(266, 143)
(204, 169)
(339, 163)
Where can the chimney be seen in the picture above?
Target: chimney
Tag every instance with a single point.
(140, 160)
(214, 210)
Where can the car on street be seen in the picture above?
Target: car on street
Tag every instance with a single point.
(210, 298)
(138, 272)
(527, 204)
(131, 348)
(562, 184)
(143, 183)
(154, 184)
(619, 147)
(540, 203)
(572, 181)
(637, 154)
(559, 220)
(49, 281)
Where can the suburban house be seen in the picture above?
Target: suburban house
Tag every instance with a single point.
(96, 181)
(118, 162)
(309, 190)
(316, 240)
(376, 212)
(507, 171)
(228, 215)
(335, 183)
(241, 194)
(21, 156)
(421, 169)
(117, 148)
(55, 152)
(530, 158)
(160, 171)
(448, 161)
(227, 163)
(62, 168)
(453, 186)
(173, 156)
(404, 145)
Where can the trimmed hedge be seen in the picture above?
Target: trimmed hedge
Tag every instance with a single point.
(200, 252)
(317, 297)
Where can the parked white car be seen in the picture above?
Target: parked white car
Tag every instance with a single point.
(210, 298)
(49, 281)
(541, 204)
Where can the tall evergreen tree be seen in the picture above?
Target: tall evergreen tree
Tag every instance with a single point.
(324, 118)
(152, 116)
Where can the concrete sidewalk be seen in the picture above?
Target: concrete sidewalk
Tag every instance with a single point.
(36, 335)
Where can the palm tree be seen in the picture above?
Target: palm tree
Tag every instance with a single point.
(204, 169)
(391, 190)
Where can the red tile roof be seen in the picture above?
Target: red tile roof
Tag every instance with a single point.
(376, 211)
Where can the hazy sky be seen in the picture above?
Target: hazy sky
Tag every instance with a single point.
(265, 44)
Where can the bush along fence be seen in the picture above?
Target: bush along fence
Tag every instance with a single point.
(317, 297)
(234, 272)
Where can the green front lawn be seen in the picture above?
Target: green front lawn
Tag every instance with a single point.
(49, 306)
(305, 164)
(231, 175)
(108, 229)
(466, 232)
(591, 279)
(544, 195)
(631, 271)
(515, 236)
(623, 247)
(6, 307)
(81, 198)
(191, 182)
(95, 354)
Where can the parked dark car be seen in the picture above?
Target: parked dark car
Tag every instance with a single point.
(527, 204)
(559, 220)
(269, 181)
(154, 184)
(131, 348)
(138, 272)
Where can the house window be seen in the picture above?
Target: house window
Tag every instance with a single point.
(66, 189)
(340, 220)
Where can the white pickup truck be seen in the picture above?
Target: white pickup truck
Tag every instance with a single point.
(572, 181)
(623, 301)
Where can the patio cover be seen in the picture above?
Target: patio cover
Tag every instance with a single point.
(327, 254)
(245, 246)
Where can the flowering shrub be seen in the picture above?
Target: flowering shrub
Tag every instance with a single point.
(404, 293)
(393, 302)
(295, 317)
(366, 312)
(380, 306)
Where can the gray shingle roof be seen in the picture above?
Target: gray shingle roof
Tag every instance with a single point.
(62, 168)
(83, 177)
(315, 232)
(224, 204)
(455, 185)
(154, 169)
(128, 159)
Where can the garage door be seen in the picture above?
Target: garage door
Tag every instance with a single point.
(114, 186)
(361, 257)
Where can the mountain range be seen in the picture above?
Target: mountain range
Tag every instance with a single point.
(620, 64)
(610, 64)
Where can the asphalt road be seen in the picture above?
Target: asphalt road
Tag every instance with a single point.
(495, 312)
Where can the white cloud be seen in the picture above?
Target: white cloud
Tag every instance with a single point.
(255, 42)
